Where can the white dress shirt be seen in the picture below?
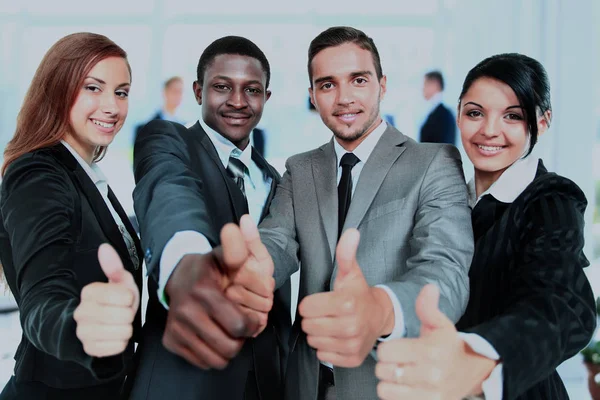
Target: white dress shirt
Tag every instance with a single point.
(506, 189)
(257, 187)
(96, 175)
(363, 152)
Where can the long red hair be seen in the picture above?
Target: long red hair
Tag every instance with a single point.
(44, 116)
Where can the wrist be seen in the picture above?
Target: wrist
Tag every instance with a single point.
(385, 311)
(480, 367)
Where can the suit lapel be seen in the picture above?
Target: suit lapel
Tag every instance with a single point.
(384, 155)
(236, 197)
(125, 219)
(324, 175)
(269, 171)
(97, 203)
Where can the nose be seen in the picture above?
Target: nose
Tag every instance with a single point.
(237, 99)
(491, 127)
(109, 104)
(345, 94)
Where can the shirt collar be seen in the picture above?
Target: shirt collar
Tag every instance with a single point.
(435, 101)
(93, 171)
(510, 184)
(225, 148)
(365, 148)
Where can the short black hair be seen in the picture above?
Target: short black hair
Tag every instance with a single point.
(525, 76)
(338, 35)
(436, 76)
(232, 45)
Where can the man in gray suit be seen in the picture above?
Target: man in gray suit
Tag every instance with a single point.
(408, 202)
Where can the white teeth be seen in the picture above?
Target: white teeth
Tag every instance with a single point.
(348, 115)
(103, 124)
(489, 148)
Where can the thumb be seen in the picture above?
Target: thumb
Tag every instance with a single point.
(428, 312)
(345, 255)
(234, 252)
(111, 264)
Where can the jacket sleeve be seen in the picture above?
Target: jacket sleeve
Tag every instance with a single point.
(39, 215)
(168, 197)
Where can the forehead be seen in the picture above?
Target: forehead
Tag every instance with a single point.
(235, 67)
(342, 60)
(111, 69)
(491, 93)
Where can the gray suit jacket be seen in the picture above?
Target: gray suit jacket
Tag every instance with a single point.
(410, 206)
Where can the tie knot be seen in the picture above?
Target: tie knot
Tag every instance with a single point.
(349, 160)
(236, 167)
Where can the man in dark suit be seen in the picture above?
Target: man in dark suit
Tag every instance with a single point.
(439, 125)
(191, 183)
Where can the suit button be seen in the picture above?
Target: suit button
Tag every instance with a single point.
(148, 256)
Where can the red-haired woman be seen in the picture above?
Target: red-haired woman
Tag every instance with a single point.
(78, 301)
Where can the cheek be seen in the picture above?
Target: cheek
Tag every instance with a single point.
(467, 129)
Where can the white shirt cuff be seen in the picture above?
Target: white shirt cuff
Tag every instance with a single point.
(182, 243)
(399, 327)
(492, 386)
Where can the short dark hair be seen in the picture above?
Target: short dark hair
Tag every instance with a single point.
(338, 35)
(232, 45)
(525, 76)
(436, 76)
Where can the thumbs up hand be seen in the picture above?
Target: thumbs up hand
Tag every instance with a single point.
(106, 311)
(439, 364)
(344, 324)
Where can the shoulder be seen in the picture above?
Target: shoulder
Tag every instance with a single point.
(431, 151)
(553, 197)
(307, 156)
(37, 174)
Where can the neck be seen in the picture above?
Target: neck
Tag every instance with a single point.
(242, 144)
(85, 151)
(351, 144)
(170, 110)
(485, 179)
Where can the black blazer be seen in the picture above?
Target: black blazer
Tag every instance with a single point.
(530, 298)
(182, 185)
(53, 220)
(439, 127)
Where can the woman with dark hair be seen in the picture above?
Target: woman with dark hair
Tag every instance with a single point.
(531, 306)
(78, 301)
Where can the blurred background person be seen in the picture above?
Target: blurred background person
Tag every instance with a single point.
(76, 310)
(439, 125)
(172, 97)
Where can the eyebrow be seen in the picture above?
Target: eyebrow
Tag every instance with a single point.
(226, 78)
(352, 75)
(480, 106)
(100, 81)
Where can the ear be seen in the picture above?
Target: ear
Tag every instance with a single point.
(198, 92)
(311, 94)
(383, 86)
(268, 95)
(543, 122)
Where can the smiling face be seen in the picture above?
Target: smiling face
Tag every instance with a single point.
(493, 127)
(100, 108)
(346, 92)
(233, 96)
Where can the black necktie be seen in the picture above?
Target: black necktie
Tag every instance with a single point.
(347, 162)
(236, 170)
